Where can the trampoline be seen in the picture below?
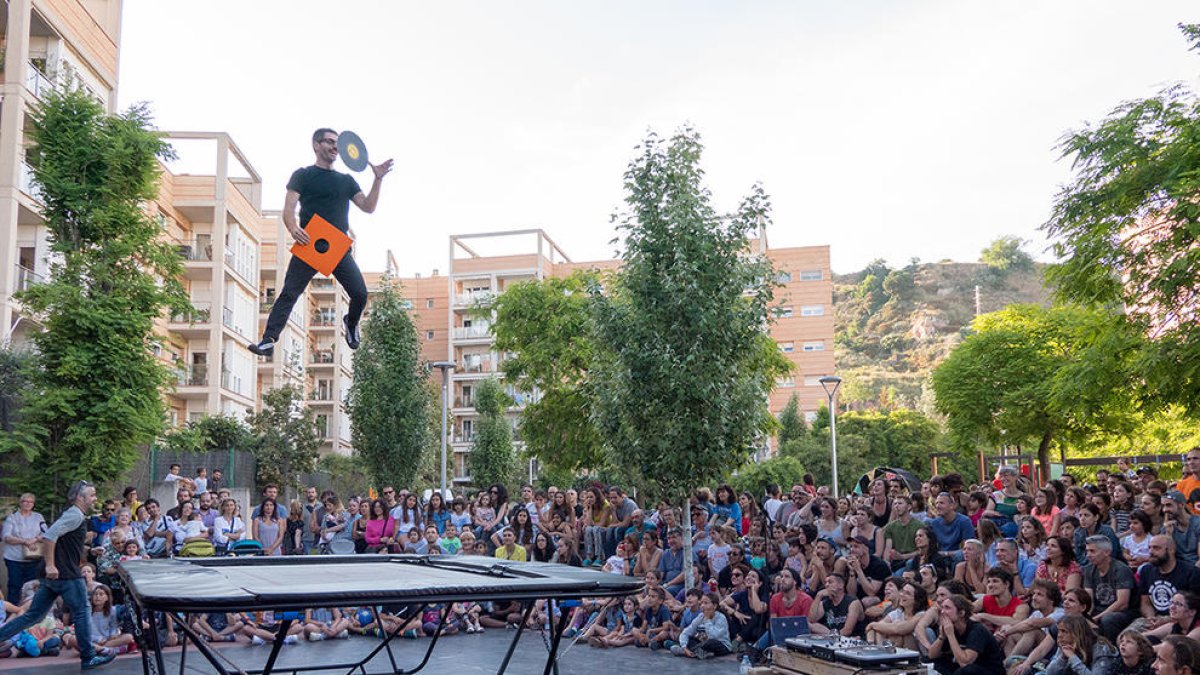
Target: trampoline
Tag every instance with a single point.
(288, 584)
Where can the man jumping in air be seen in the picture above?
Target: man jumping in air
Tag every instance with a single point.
(324, 192)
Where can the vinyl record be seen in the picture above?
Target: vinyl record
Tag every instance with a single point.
(352, 151)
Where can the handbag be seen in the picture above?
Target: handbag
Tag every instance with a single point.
(33, 552)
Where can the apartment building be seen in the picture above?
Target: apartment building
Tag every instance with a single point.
(450, 330)
(47, 44)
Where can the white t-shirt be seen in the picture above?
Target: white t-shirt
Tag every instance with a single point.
(718, 557)
(771, 506)
(201, 485)
(616, 565)
(1054, 617)
(222, 528)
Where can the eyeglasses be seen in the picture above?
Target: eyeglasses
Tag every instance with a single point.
(328, 141)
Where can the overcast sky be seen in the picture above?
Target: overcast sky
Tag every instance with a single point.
(883, 128)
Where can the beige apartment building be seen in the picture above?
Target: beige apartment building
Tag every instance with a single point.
(449, 329)
(47, 44)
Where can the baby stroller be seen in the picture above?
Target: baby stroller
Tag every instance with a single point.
(244, 547)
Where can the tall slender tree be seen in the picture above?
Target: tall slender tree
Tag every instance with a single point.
(94, 401)
(493, 459)
(685, 364)
(390, 402)
(286, 437)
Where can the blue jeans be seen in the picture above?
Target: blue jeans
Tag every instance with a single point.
(74, 594)
(19, 572)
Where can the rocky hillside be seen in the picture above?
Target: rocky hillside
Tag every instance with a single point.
(895, 325)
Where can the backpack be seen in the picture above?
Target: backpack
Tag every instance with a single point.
(197, 549)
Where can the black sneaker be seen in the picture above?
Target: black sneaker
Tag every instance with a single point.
(264, 348)
(97, 661)
(352, 339)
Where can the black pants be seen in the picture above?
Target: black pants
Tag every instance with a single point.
(299, 273)
(714, 647)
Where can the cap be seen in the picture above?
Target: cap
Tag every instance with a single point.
(1177, 496)
(1194, 496)
(830, 541)
(1147, 469)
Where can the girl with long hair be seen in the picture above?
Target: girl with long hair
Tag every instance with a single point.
(1045, 506)
(928, 554)
(1136, 544)
(1059, 565)
(436, 512)
(750, 510)
(267, 529)
(1122, 506)
(1137, 654)
(1031, 539)
(1073, 498)
(973, 567)
(380, 533)
(1081, 650)
(898, 625)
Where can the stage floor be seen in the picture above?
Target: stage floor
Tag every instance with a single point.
(465, 654)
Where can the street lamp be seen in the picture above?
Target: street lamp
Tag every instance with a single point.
(445, 367)
(830, 384)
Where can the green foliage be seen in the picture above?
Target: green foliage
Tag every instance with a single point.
(17, 371)
(546, 324)
(1031, 374)
(493, 459)
(684, 366)
(755, 477)
(814, 452)
(211, 432)
(348, 475)
(395, 419)
(95, 402)
(1005, 254)
(1126, 230)
(791, 424)
(286, 437)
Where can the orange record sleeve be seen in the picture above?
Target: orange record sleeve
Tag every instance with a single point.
(323, 235)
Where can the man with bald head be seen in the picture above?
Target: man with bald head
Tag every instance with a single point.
(1160, 579)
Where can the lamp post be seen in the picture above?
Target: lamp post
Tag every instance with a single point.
(445, 367)
(830, 384)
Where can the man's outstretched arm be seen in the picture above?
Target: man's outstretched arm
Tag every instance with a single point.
(369, 201)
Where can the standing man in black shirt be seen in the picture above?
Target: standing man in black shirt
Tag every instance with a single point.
(63, 551)
(321, 191)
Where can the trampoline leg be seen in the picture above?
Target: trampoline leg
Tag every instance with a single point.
(284, 625)
(432, 643)
(159, 666)
(555, 638)
(387, 638)
(190, 634)
(182, 619)
(512, 646)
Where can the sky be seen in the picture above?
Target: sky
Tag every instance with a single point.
(884, 128)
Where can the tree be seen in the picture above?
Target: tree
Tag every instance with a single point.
(1005, 254)
(684, 365)
(492, 457)
(286, 436)
(94, 402)
(791, 424)
(1032, 374)
(1126, 228)
(392, 412)
(209, 433)
(547, 325)
(755, 478)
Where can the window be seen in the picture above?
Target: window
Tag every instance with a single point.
(784, 277)
(428, 303)
(428, 335)
(812, 310)
(783, 312)
(813, 380)
(810, 416)
(787, 347)
(785, 382)
(810, 275)
(818, 346)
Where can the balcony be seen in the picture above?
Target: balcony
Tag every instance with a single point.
(321, 285)
(195, 251)
(38, 83)
(323, 319)
(476, 366)
(463, 438)
(321, 395)
(194, 322)
(27, 184)
(195, 375)
(473, 333)
(27, 278)
(320, 357)
(464, 401)
(264, 307)
(477, 297)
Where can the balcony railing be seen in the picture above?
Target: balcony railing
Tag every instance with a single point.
(195, 375)
(467, 299)
(195, 251)
(27, 278)
(321, 395)
(322, 356)
(265, 306)
(464, 438)
(201, 314)
(322, 283)
(37, 82)
(323, 320)
(470, 332)
(28, 185)
(476, 366)
(464, 401)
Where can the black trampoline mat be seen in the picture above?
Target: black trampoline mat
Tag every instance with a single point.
(300, 582)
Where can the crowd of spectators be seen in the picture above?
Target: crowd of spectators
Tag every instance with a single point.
(999, 577)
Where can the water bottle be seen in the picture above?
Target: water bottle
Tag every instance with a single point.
(745, 669)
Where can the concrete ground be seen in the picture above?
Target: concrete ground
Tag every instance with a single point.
(465, 654)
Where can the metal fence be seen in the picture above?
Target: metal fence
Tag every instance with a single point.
(239, 466)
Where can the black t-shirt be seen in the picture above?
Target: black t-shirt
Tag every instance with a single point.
(1159, 588)
(1104, 587)
(835, 616)
(876, 570)
(978, 639)
(326, 193)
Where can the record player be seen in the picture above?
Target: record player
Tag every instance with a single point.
(851, 650)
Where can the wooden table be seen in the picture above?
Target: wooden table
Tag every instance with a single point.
(788, 662)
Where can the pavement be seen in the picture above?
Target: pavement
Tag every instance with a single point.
(465, 654)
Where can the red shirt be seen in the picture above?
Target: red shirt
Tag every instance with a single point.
(799, 607)
(990, 606)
